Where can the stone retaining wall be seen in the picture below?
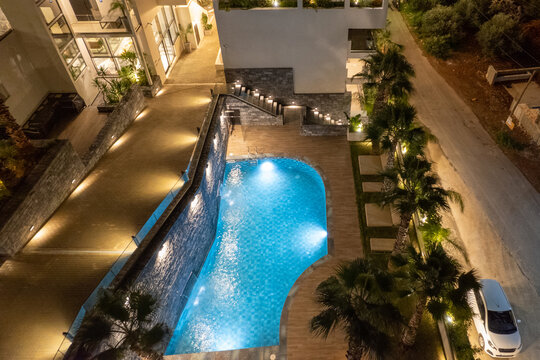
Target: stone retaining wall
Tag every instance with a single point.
(44, 189)
(279, 83)
(57, 175)
(323, 130)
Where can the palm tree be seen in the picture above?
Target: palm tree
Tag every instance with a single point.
(440, 286)
(389, 73)
(418, 189)
(393, 124)
(13, 130)
(357, 299)
(122, 321)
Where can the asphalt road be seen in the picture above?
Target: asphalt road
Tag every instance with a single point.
(500, 226)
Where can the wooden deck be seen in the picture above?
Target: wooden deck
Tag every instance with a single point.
(331, 156)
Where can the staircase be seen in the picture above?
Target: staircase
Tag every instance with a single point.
(256, 98)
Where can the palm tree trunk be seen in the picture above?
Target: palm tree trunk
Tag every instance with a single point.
(409, 335)
(355, 351)
(387, 183)
(13, 130)
(402, 238)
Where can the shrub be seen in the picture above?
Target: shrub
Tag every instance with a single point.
(508, 7)
(438, 46)
(460, 340)
(470, 12)
(442, 21)
(500, 35)
(531, 8)
(506, 140)
(421, 5)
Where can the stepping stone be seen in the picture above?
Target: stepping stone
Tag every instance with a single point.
(378, 216)
(372, 186)
(381, 244)
(384, 159)
(369, 164)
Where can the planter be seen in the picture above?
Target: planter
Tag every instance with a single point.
(187, 47)
(151, 90)
(106, 108)
(355, 135)
(207, 32)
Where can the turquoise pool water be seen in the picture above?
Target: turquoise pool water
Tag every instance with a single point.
(271, 227)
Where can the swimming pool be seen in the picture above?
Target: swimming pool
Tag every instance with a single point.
(271, 227)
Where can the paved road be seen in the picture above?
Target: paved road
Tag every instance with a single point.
(501, 222)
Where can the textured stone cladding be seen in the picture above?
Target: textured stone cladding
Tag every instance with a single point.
(323, 130)
(51, 181)
(171, 272)
(47, 186)
(279, 83)
(251, 114)
(117, 122)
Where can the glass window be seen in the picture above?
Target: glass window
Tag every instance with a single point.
(62, 40)
(155, 29)
(70, 52)
(162, 25)
(501, 322)
(168, 14)
(77, 67)
(60, 26)
(105, 64)
(50, 10)
(96, 46)
(173, 30)
(163, 57)
(5, 26)
(120, 44)
(169, 47)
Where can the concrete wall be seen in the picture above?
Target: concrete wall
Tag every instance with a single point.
(33, 66)
(311, 42)
(279, 83)
(529, 119)
(57, 175)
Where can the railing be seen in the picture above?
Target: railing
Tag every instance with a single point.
(250, 4)
(324, 4)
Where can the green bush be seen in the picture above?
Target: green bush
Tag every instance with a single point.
(421, 5)
(442, 21)
(457, 333)
(506, 140)
(470, 12)
(499, 36)
(439, 46)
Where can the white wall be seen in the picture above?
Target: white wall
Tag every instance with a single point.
(313, 43)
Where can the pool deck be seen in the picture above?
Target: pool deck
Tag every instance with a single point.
(332, 157)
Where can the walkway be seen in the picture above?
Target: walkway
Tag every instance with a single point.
(332, 155)
(501, 223)
(43, 287)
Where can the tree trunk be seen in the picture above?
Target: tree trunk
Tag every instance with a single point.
(409, 335)
(402, 238)
(14, 131)
(355, 351)
(387, 183)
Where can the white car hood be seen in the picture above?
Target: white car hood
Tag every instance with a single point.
(506, 341)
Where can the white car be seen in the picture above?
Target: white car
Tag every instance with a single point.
(498, 334)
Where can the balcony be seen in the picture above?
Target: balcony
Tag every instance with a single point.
(361, 43)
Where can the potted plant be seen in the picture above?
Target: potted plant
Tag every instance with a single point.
(184, 33)
(354, 131)
(207, 27)
(112, 89)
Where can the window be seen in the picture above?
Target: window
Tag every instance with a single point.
(501, 322)
(5, 26)
(480, 303)
(165, 34)
(50, 10)
(63, 37)
(106, 52)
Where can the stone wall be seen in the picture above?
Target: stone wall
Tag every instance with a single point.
(279, 83)
(117, 122)
(43, 190)
(251, 114)
(57, 175)
(323, 130)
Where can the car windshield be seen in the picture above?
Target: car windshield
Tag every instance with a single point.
(501, 322)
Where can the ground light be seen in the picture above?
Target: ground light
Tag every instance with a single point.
(267, 166)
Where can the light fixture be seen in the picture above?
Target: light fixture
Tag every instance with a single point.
(32, 228)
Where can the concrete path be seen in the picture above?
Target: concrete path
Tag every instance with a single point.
(501, 223)
(43, 287)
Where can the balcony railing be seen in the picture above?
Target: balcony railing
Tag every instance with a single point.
(366, 3)
(324, 4)
(250, 4)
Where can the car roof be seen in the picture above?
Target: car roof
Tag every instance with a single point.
(494, 296)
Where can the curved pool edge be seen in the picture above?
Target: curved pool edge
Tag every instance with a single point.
(282, 355)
